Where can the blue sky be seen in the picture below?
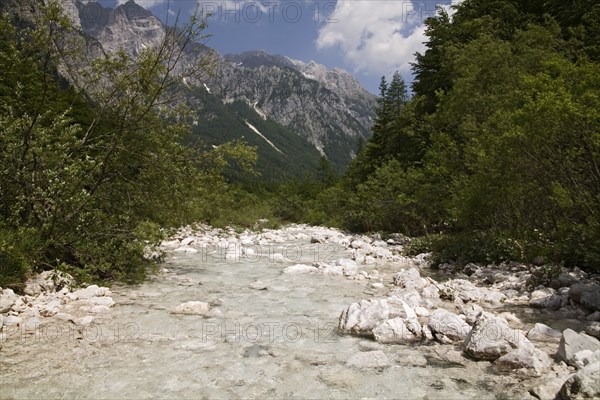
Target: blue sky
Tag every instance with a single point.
(369, 38)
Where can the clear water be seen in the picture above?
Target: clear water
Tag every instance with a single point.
(274, 343)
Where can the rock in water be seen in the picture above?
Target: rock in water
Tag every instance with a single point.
(443, 322)
(300, 269)
(491, 338)
(192, 308)
(398, 331)
(361, 318)
(409, 279)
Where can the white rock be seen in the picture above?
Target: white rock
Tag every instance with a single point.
(257, 285)
(377, 285)
(583, 384)
(397, 331)
(31, 324)
(185, 249)
(471, 311)
(100, 301)
(362, 317)
(214, 313)
(585, 357)
(543, 333)
(99, 310)
(572, 343)
(85, 321)
(300, 269)
(86, 293)
(349, 267)
(188, 241)
(430, 292)
(524, 357)
(7, 299)
(545, 298)
(491, 338)
(443, 322)
(409, 279)
(278, 257)
(51, 308)
(192, 308)
(422, 311)
(370, 260)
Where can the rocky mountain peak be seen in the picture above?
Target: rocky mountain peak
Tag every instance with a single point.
(327, 108)
(129, 26)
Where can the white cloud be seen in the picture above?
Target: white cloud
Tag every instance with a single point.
(377, 37)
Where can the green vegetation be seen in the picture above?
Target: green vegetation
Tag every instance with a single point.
(495, 157)
(89, 171)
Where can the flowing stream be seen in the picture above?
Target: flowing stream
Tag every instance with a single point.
(278, 342)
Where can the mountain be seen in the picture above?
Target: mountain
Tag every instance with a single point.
(293, 112)
(327, 107)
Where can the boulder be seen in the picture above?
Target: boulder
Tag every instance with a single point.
(192, 308)
(46, 282)
(583, 384)
(369, 359)
(410, 297)
(85, 293)
(468, 292)
(7, 299)
(257, 285)
(349, 267)
(585, 357)
(572, 343)
(99, 310)
(471, 311)
(565, 279)
(409, 278)
(430, 292)
(100, 301)
(398, 330)
(300, 269)
(50, 309)
(543, 333)
(545, 298)
(524, 357)
(399, 308)
(362, 317)
(491, 338)
(593, 329)
(586, 294)
(188, 241)
(443, 322)
(318, 239)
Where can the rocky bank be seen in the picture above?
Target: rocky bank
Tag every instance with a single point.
(537, 342)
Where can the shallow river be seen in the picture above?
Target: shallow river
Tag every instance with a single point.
(278, 343)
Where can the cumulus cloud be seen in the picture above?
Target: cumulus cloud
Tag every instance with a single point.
(377, 37)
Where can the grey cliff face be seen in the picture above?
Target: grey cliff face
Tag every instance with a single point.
(329, 108)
